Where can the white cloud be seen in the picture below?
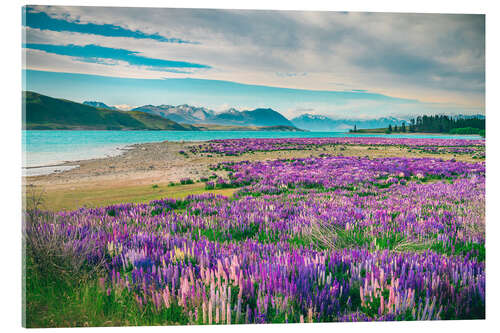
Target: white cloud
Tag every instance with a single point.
(334, 49)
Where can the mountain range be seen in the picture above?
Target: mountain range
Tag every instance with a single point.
(313, 122)
(46, 113)
(188, 114)
(182, 113)
(100, 105)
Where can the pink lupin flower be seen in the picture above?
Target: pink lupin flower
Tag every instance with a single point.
(102, 283)
(391, 298)
(210, 312)
(157, 300)
(166, 297)
(185, 285)
(223, 311)
(382, 304)
(207, 276)
(204, 312)
(139, 301)
(182, 300)
(240, 286)
(191, 277)
(228, 313)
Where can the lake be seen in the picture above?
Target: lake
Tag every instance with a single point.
(44, 149)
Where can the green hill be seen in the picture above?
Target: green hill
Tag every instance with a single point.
(47, 113)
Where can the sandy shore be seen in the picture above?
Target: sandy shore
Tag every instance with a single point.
(139, 163)
(130, 177)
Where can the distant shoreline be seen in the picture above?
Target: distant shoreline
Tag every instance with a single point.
(254, 130)
(409, 133)
(415, 133)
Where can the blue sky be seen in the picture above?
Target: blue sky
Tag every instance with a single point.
(96, 54)
(40, 20)
(359, 65)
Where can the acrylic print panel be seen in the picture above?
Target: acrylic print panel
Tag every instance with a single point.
(221, 167)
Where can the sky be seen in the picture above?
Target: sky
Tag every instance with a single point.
(339, 64)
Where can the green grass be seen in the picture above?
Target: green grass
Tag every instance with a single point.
(68, 199)
(57, 302)
(467, 130)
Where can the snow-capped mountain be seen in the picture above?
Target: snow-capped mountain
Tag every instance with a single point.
(100, 105)
(181, 113)
(195, 115)
(313, 122)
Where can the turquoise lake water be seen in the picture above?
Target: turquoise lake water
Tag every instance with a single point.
(47, 148)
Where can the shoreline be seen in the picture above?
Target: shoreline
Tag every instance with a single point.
(421, 133)
(120, 148)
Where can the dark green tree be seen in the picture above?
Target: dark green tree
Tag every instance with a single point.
(445, 124)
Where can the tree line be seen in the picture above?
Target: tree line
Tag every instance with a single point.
(441, 124)
(438, 124)
(444, 124)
